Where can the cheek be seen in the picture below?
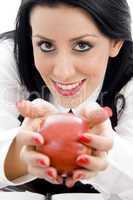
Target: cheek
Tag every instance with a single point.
(41, 64)
(93, 65)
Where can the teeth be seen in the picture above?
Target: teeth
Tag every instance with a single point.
(67, 87)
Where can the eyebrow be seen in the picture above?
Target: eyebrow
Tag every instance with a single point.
(71, 40)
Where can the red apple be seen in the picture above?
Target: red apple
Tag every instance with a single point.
(61, 133)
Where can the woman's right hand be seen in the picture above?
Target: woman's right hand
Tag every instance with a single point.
(28, 139)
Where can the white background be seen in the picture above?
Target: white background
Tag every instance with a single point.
(8, 11)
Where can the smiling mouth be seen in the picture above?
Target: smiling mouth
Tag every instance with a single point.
(68, 89)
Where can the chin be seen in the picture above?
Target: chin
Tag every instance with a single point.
(69, 102)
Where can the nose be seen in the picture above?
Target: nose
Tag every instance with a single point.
(64, 69)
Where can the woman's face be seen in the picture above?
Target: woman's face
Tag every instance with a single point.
(70, 52)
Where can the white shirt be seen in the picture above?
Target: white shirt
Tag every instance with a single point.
(117, 179)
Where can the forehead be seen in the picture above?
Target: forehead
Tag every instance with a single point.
(61, 17)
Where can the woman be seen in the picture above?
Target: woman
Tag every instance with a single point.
(70, 53)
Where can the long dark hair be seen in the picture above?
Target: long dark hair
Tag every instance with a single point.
(113, 19)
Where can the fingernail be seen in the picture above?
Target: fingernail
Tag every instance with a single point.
(41, 162)
(78, 176)
(83, 138)
(70, 184)
(19, 103)
(83, 161)
(59, 180)
(51, 174)
(36, 140)
(108, 111)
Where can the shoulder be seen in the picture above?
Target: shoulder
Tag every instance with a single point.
(8, 67)
(126, 99)
(7, 50)
(127, 90)
(9, 76)
(7, 45)
(125, 117)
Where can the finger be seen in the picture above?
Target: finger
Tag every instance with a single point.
(98, 142)
(29, 138)
(52, 174)
(104, 128)
(69, 182)
(36, 108)
(98, 153)
(97, 116)
(32, 124)
(95, 163)
(81, 174)
(36, 159)
(47, 174)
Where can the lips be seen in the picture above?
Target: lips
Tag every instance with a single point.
(68, 89)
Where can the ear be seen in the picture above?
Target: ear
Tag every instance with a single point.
(115, 47)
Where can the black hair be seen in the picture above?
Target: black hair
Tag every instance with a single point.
(112, 18)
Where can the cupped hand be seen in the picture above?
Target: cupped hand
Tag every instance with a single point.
(28, 139)
(99, 138)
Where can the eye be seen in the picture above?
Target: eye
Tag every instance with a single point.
(82, 46)
(46, 46)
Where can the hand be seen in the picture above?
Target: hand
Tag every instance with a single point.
(99, 138)
(37, 164)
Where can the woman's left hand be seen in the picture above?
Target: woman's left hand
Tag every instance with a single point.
(99, 138)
